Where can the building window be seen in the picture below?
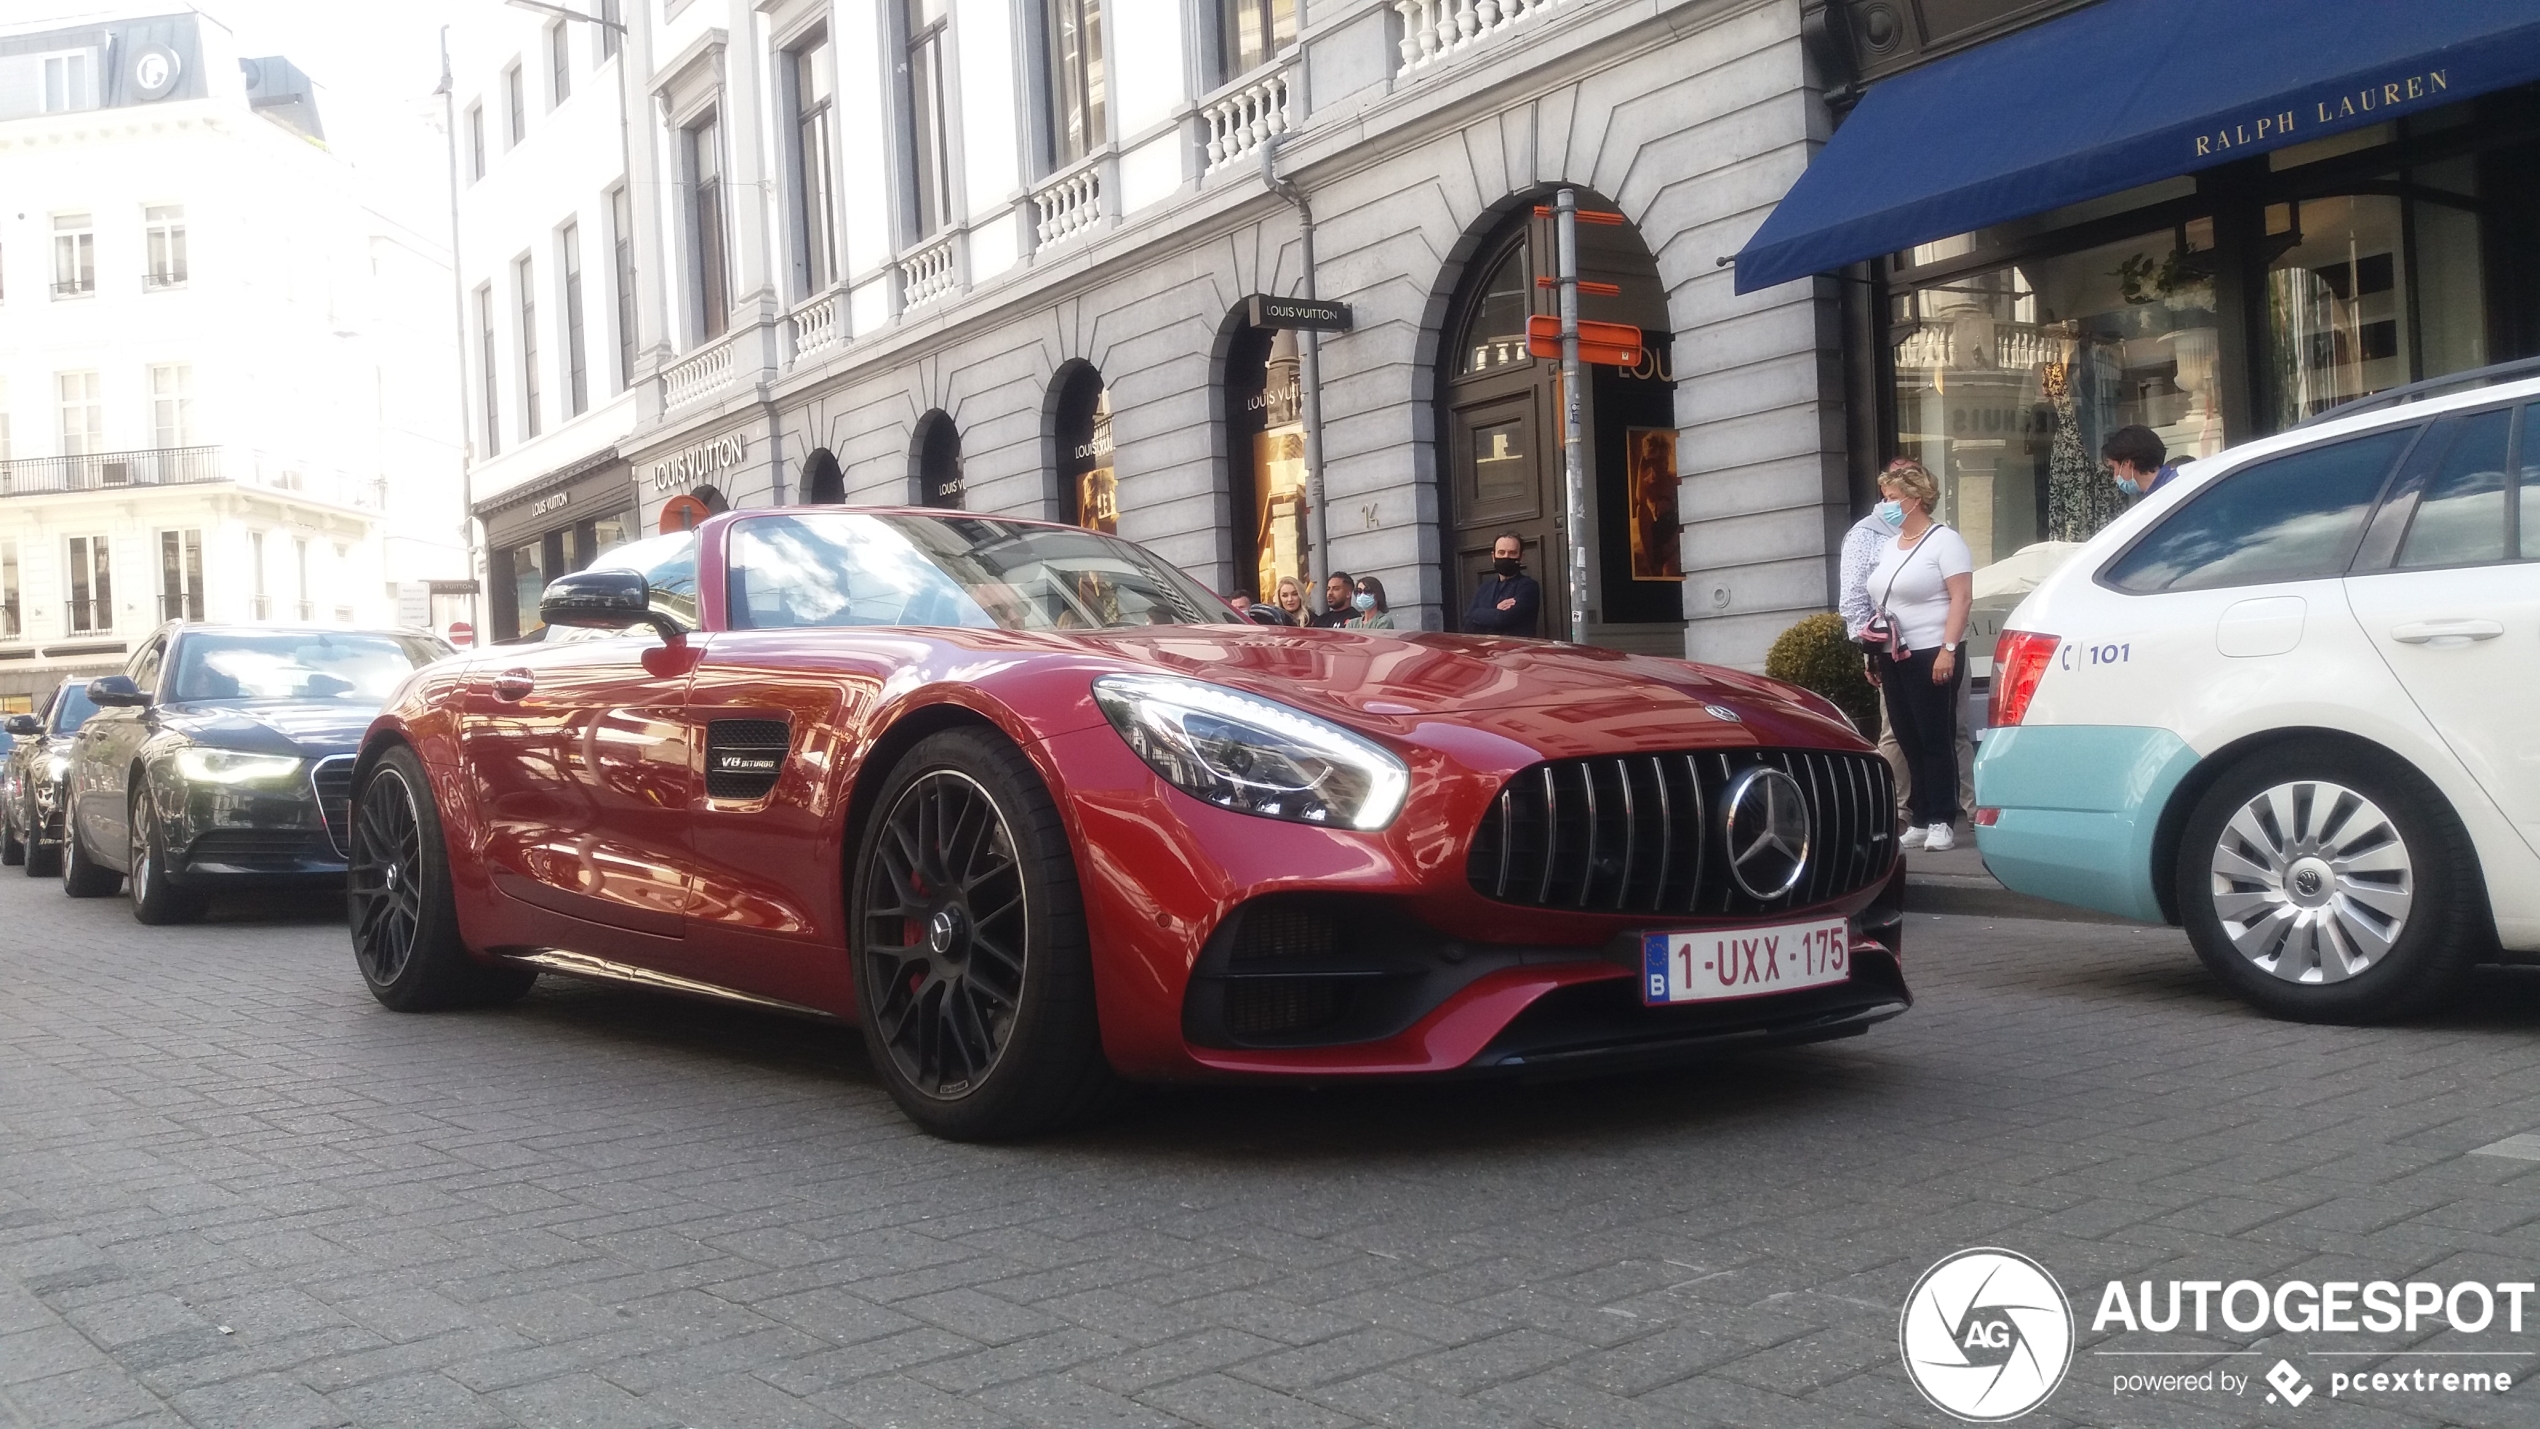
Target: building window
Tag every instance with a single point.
(172, 405)
(1089, 490)
(259, 601)
(74, 256)
(703, 158)
(612, 23)
(577, 386)
(938, 462)
(489, 393)
(1266, 455)
(475, 142)
(180, 575)
(83, 413)
(816, 233)
(524, 281)
(622, 258)
(343, 555)
(303, 608)
(922, 71)
(92, 606)
(4, 428)
(1073, 42)
(1251, 32)
(70, 81)
(559, 66)
(164, 232)
(12, 612)
(515, 108)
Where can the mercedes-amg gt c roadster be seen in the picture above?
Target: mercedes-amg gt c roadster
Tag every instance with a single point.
(1040, 813)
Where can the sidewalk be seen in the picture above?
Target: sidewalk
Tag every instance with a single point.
(1956, 882)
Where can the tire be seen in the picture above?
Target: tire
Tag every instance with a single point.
(405, 921)
(156, 901)
(43, 860)
(2321, 885)
(974, 979)
(82, 878)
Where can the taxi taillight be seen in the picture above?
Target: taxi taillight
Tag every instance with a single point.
(2019, 661)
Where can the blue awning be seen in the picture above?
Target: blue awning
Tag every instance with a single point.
(2124, 93)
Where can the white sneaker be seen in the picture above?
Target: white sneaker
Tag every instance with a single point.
(1914, 837)
(1941, 838)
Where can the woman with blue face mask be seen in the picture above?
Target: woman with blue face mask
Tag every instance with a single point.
(1368, 606)
(1923, 587)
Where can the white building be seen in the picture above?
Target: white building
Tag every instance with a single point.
(999, 254)
(225, 385)
(547, 245)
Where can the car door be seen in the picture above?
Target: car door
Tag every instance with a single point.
(2454, 606)
(581, 760)
(100, 770)
(780, 707)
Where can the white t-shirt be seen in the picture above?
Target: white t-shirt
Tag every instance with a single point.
(1912, 584)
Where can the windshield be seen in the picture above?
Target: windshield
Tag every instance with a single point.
(351, 667)
(72, 709)
(859, 568)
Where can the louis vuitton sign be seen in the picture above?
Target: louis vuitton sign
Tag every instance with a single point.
(700, 464)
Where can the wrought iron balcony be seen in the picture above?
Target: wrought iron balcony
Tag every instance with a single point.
(109, 471)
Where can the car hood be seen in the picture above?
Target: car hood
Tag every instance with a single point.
(309, 729)
(1556, 699)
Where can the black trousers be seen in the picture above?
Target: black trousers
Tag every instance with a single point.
(1925, 718)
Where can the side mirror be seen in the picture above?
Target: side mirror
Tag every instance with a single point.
(604, 600)
(116, 692)
(1260, 614)
(25, 725)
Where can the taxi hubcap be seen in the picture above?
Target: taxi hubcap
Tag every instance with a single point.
(2312, 882)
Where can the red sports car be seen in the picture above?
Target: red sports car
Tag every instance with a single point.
(1040, 812)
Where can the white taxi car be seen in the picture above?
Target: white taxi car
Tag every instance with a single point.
(2292, 702)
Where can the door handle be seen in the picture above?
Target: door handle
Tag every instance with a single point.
(514, 684)
(2445, 632)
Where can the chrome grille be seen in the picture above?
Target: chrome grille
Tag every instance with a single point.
(332, 782)
(1640, 833)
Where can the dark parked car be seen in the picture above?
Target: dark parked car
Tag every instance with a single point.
(31, 782)
(221, 758)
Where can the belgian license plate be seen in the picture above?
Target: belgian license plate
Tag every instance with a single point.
(1718, 965)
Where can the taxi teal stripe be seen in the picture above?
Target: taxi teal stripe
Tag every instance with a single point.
(2079, 806)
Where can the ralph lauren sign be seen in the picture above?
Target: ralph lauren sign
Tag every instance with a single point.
(2319, 113)
(700, 464)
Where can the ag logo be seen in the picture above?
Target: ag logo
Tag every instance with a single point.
(1986, 1335)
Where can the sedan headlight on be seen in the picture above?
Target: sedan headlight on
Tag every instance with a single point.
(1253, 755)
(228, 766)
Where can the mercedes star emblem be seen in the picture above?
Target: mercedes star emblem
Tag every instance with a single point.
(1765, 826)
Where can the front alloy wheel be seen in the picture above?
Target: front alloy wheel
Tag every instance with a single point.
(2327, 884)
(405, 919)
(973, 979)
(155, 901)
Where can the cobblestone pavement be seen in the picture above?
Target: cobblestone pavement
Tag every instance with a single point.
(234, 1191)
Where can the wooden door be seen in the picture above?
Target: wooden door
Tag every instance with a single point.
(1507, 479)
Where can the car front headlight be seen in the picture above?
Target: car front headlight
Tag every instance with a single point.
(229, 766)
(1253, 755)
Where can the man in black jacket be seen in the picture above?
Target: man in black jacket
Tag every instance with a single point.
(1337, 589)
(1508, 601)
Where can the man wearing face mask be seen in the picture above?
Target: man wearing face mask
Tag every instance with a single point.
(2138, 460)
(1508, 601)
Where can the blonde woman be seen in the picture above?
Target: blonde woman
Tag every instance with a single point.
(1924, 583)
(1289, 597)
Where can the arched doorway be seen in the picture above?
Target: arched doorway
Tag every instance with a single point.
(1500, 428)
(935, 462)
(1088, 487)
(823, 483)
(1265, 458)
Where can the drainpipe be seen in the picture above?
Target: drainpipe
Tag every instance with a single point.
(458, 304)
(1309, 373)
